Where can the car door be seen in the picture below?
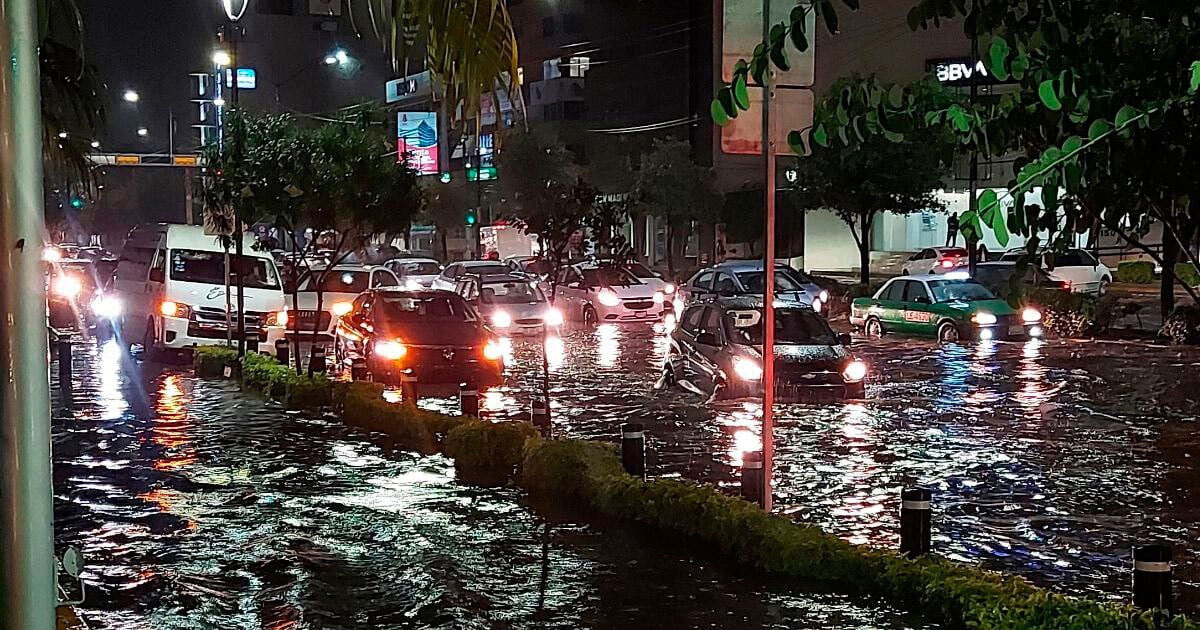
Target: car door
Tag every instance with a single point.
(916, 312)
(890, 305)
(703, 367)
(352, 330)
(924, 263)
(572, 292)
(383, 278)
(700, 286)
(446, 280)
(1077, 267)
(684, 342)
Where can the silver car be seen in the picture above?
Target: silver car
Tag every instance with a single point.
(511, 305)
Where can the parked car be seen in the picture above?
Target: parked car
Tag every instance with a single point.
(745, 277)
(448, 279)
(950, 306)
(935, 260)
(338, 285)
(1076, 266)
(594, 294)
(1002, 279)
(717, 350)
(432, 337)
(511, 305)
(415, 273)
(170, 280)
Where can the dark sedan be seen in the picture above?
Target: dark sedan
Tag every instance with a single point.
(717, 351)
(430, 338)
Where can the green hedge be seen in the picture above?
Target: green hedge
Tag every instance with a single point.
(1135, 271)
(1074, 314)
(1186, 272)
(487, 453)
(263, 373)
(212, 360)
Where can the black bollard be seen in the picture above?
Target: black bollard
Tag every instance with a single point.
(316, 360)
(539, 414)
(1152, 578)
(64, 361)
(358, 370)
(633, 449)
(468, 399)
(282, 351)
(408, 389)
(915, 521)
(252, 343)
(752, 476)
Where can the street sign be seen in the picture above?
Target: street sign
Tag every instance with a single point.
(128, 160)
(488, 173)
(186, 160)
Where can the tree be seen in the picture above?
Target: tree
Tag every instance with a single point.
(670, 185)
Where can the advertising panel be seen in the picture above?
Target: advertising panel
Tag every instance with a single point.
(417, 137)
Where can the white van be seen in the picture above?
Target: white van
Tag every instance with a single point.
(170, 281)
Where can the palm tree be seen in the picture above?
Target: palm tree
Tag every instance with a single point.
(469, 45)
(72, 107)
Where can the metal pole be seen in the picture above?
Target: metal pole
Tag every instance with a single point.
(237, 218)
(973, 242)
(171, 133)
(768, 372)
(26, 497)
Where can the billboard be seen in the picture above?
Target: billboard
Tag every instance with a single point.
(791, 109)
(741, 31)
(247, 78)
(417, 136)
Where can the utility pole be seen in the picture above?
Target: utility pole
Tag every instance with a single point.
(237, 219)
(973, 240)
(27, 564)
(768, 370)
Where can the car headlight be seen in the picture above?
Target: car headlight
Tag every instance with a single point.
(983, 318)
(278, 318)
(747, 369)
(174, 309)
(391, 350)
(51, 254)
(107, 306)
(412, 285)
(608, 298)
(492, 351)
(1031, 315)
(854, 371)
(669, 289)
(659, 297)
(553, 317)
(816, 305)
(68, 286)
(501, 319)
(341, 308)
(823, 296)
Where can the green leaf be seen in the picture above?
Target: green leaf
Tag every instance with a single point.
(896, 96)
(892, 136)
(821, 136)
(758, 65)
(798, 38)
(1124, 115)
(1050, 196)
(998, 58)
(1194, 83)
(779, 58)
(741, 95)
(795, 140)
(1073, 177)
(999, 227)
(842, 135)
(987, 203)
(1098, 128)
(718, 114)
(830, 15)
(1072, 144)
(1046, 92)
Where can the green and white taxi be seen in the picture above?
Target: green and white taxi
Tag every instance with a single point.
(949, 306)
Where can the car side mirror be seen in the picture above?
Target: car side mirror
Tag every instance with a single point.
(156, 275)
(845, 339)
(707, 338)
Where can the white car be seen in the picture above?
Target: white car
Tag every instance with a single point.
(448, 279)
(415, 273)
(935, 260)
(339, 286)
(595, 294)
(650, 277)
(1076, 268)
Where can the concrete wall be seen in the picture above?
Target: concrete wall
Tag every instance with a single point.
(828, 245)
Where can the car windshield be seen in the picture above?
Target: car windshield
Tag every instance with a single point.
(792, 327)
(608, 277)
(336, 281)
(510, 293)
(959, 291)
(188, 265)
(419, 268)
(640, 271)
(485, 270)
(406, 308)
(753, 281)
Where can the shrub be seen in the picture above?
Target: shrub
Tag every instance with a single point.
(487, 453)
(278, 381)
(1074, 314)
(212, 360)
(1182, 326)
(1187, 274)
(1135, 271)
(362, 405)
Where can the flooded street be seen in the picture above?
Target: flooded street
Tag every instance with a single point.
(1047, 459)
(200, 507)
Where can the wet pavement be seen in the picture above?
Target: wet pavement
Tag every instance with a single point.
(1046, 459)
(200, 507)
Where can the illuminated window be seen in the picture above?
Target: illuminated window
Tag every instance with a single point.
(578, 66)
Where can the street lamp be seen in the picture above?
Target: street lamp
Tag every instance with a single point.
(222, 59)
(234, 8)
(131, 96)
(143, 132)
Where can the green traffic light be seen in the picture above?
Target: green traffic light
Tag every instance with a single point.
(76, 202)
(471, 218)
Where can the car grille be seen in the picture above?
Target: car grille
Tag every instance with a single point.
(533, 321)
(209, 323)
(809, 373)
(303, 320)
(639, 305)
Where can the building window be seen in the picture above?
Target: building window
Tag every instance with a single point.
(550, 69)
(578, 66)
(572, 23)
(548, 26)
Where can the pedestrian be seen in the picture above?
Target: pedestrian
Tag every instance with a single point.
(952, 230)
(983, 252)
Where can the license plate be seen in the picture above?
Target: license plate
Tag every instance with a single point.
(639, 313)
(1016, 331)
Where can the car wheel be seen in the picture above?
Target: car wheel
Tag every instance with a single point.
(149, 352)
(669, 378)
(947, 332)
(873, 328)
(589, 316)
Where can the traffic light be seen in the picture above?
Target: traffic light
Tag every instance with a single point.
(77, 202)
(472, 219)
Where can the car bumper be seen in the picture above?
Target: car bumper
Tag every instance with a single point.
(790, 392)
(621, 314)
(480, 374)
(181, 334)
(1011, 331)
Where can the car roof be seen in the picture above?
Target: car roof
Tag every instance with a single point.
(345, 267)
(997, 263)
(413, 259)
(497, 278)
(926, 277)
(480, 263)
(415, 292)
(748, 301)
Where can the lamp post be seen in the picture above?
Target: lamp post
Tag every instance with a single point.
(27, 563)
(234, 9)
(768, 372)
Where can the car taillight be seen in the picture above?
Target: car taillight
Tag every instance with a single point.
(1066, 285)
(492, 351)
(278, 318)
(947, 263)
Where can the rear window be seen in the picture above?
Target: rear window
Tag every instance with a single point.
(402, 307)
(510, 293)
(753, 281)
(336, 281)
(419, 268)
(608, 277)
(953, 252)
(792, 327)
(485, 270)
(640, 271)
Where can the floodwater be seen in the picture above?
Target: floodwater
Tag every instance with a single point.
(1049, 459)
(199, 507)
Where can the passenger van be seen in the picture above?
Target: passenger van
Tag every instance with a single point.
(170, 281)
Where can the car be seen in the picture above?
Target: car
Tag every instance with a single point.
(532, 266)
(950, 306)
(645, 274)
(717, 351)
(935, 260)
(1076, 266)
(1001, 277)
(338, 286)
(72, 288)
(745, 277)
(425, 337)
(596, 294)
(415, 273)
(448, 279)
(512, 305)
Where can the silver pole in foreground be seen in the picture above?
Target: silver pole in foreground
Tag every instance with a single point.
(768, 371)
(26, 499)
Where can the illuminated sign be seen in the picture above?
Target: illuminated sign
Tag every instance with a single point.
(961, 71)
(414, 86)
(417, 139)
(247, 78)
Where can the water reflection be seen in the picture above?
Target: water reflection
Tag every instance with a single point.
(608, 345)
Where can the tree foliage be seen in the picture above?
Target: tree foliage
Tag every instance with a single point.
(669, 185)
